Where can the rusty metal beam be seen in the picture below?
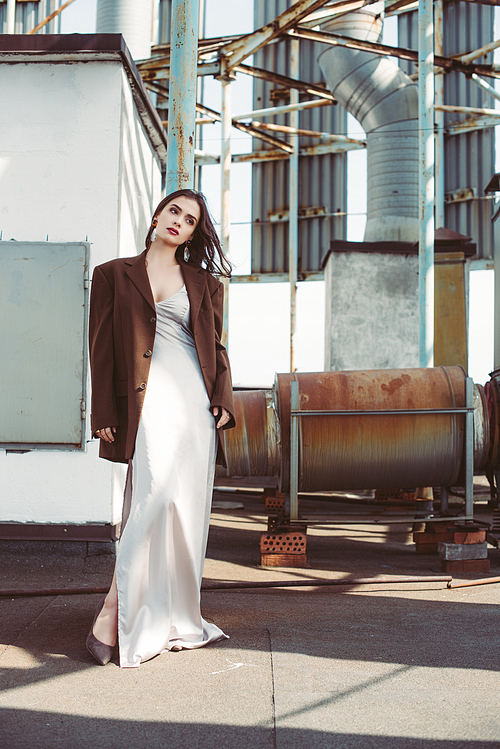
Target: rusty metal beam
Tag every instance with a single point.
(470, 124)
(278, 154)
(152, 72)
(182, 102)
(309, 88)
(278, 277)
(239, 50)
(49, 18)
(286, 147)
(273, 111)
(447, 63)
(480, 52)
(305, 133)
(468, 110)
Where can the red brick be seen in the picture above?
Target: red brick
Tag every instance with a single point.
(476, 537)
(437, 527)
(432, 538)
(465, 566)
(274, 504)
(283, 560)
(426, 548)
(284, 541)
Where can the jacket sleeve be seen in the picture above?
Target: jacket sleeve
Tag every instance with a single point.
(104, 413)
(223, 390)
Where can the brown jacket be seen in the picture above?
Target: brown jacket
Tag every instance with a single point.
(122, 332)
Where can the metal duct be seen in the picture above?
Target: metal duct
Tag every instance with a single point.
(132, 18)
(385, 102)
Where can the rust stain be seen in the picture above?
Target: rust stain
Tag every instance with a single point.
(393, 385)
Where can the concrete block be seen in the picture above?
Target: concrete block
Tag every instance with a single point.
(453, 552)
(465, 566)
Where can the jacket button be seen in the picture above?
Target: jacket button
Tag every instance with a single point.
(142, 386)
(153, 319)
(148, 353)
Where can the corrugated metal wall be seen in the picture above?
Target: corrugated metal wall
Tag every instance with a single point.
(469, 158)
(322, 179)
(29, 14)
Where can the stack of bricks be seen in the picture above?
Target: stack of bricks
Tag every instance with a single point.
(466, 552)
(426, 542)
(394, 499)
(275, 501)
(284, 547)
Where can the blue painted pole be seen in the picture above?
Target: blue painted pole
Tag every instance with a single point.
(426, 181)
(182, 94)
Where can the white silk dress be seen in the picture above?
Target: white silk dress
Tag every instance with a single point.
(169, 486)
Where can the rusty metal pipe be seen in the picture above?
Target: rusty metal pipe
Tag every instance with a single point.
(23, 593)
(470, 583)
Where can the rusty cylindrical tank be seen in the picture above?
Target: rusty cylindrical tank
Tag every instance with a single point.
(253, 447)
(382, 452)
(359, 452)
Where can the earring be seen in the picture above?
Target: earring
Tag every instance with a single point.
(153, 235)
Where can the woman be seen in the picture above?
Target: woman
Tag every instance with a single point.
(159, 377)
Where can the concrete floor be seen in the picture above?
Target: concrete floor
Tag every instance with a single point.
(379, 667)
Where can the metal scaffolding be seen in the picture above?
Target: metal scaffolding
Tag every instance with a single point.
(223, 57)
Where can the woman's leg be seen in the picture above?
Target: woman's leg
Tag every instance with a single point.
(106, 625)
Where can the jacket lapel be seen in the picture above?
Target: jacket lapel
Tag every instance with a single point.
(138, 275)
(195, 286)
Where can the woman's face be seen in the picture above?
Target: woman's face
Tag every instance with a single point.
(178, 220)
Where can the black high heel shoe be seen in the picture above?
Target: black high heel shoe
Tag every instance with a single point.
(101, 652)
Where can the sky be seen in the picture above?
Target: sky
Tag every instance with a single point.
(259, 314)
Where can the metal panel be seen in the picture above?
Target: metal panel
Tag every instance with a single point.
(469, 158)
(43, 325)
(28, 15)
(322, 179)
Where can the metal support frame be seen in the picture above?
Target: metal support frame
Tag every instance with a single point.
(225, 206)
(182, 98)
(426, 181)
(469, 447)
(439, 119)
(292, 505)
(11, 16)
(285, 109)
(224, 56)
(485, 85)
(293, 208)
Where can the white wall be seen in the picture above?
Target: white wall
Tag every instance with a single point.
(71, 146)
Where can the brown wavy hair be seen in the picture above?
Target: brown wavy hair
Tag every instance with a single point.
(204, 249)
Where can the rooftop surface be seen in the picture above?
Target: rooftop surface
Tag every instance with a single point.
(381, 666)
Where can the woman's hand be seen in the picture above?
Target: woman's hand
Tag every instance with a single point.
(106, 434)
(225, 415)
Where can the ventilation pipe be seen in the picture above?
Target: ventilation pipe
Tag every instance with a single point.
(384, 100)
(132, 18)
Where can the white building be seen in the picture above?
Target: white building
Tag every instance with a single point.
(81, 153)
